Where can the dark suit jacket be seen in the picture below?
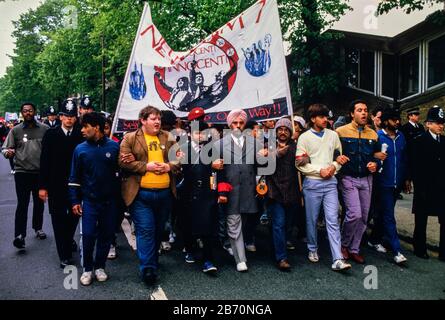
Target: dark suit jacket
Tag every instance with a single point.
(55, 166)
(428, 173)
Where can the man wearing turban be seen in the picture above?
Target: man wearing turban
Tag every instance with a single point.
(238, 152)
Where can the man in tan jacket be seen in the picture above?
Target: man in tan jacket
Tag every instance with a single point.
(148, 185)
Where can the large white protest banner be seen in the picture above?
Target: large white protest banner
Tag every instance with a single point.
(240, 66)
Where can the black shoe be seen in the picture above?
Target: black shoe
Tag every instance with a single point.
(74, 246)
(64, 263)
(149, 276)
(19, 242)
(423, 255)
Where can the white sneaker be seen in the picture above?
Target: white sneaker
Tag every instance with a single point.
(313, 256)
(86, 278)
(340, 265)
(399, 258)
(377, 247)
(250, 248)
(101, 275)
(241, 267)
(112, 253)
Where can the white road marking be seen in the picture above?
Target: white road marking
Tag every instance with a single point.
(158, 294)
(130, 237)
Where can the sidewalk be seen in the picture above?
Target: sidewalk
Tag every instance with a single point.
(405, 223)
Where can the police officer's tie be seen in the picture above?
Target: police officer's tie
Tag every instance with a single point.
(68, 133)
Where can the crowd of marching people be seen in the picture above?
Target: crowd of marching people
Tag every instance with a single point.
(212, 184)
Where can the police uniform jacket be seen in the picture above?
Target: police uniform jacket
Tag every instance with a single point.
(54, 124)
(428, 172)
(55, 166)
(197, 196)
(410, 132)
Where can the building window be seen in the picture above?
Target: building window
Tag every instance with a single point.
(360, 68)
(436, 61)
(409, 73)
(388, 69)
(367, 70)
(352, 67)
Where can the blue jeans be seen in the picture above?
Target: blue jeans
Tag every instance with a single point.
(280, 214)
(388, 198)
(316, 193)
(98, 223)
(150, 211)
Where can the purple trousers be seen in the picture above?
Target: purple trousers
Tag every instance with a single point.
(356, 194)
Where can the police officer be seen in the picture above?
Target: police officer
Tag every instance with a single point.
(55, 163)
(412, 128)
(428, 173)
(52, 121)
(86, 105)
(71, 103)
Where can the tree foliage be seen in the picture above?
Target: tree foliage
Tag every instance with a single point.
(315, 73)
(53, 61)
(21, 81)
(408, 6)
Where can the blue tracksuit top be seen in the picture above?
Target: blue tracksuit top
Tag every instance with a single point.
(94, 171)
(394, 170)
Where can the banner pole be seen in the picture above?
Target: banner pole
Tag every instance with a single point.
(290, 107)
(124, 85)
